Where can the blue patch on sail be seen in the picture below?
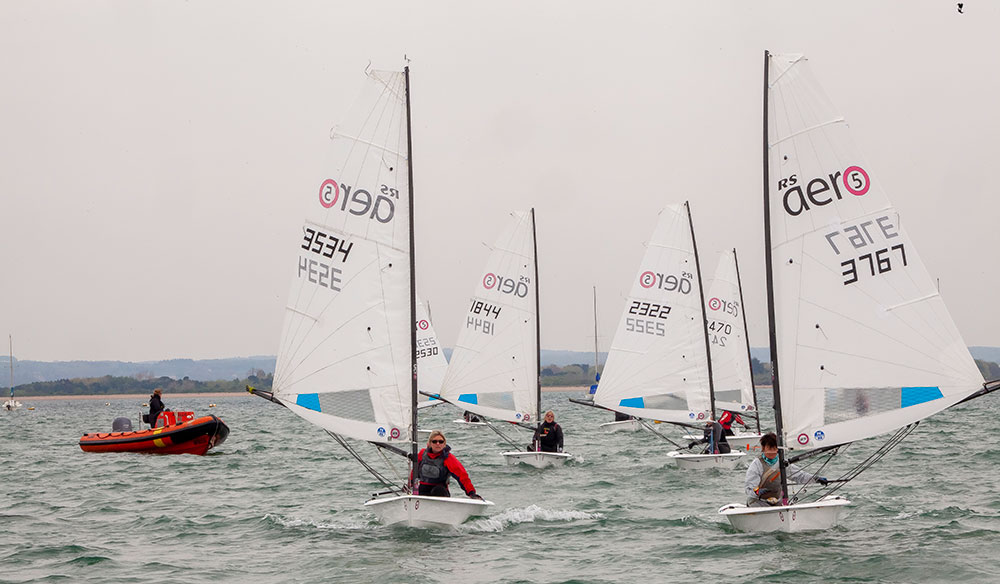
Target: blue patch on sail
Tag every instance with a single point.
(911, 396)
(308, 400)
(469, 398)
(593, 389)
(632, 402)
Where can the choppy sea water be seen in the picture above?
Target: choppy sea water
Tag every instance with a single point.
(280, 501)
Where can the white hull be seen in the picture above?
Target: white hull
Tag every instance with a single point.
(536, 459)
(11, 404)
(623, 426)
(745, 442)
(417, 511)
(706, 461)
(820, 515)
(464, 423)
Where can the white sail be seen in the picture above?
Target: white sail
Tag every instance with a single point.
(431, 364)
(657, 367)
(864, 341)
(494, 366)
(344, 362)
(728, 339)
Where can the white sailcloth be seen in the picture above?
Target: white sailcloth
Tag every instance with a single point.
(344, 362)
(727, 339)
(864, 341)
(431, 364)
(494, 367)
(657, 367)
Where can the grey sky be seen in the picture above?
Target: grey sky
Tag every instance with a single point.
(156, 154)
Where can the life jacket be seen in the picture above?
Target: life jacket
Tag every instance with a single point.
(432, 471)
(770, 481)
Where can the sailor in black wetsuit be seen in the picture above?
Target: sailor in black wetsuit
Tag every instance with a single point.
(155, 406)
(548, 436)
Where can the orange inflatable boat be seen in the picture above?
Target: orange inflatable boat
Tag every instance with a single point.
(176, 433)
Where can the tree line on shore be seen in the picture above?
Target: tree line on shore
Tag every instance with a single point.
(575, 375)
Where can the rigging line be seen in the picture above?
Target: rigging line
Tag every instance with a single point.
(795, 62)
(501, 434)
(391, 466)
(649, 427)
(340, 440)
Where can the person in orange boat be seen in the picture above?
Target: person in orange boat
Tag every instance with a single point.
(435, 464)
(155, 406)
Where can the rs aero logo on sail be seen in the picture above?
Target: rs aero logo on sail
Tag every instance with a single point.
(360, 202)
(799, 197)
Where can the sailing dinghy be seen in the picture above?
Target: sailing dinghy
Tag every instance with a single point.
(659, 366)
(861, 341)
(11, 404)
(494, 368)
(348, 355)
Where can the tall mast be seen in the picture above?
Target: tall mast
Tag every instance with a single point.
(538, 329)
(746, 337)
(704, 317)
(772, 332)
(10, 339)
(413, 281)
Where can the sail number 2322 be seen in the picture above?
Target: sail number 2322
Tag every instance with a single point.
(642, 325)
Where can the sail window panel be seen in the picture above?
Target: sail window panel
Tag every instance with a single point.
(854, 403)
(662, 401)
(501, 401)
(353, 405)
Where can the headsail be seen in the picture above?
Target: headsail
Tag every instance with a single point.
(864, 341)
(657, 367)
(727, 336)
(494, 367)
(344, 362)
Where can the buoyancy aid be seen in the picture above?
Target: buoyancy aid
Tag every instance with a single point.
(432, 471)
(770, 481)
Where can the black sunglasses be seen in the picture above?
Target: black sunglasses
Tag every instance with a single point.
(437, 441)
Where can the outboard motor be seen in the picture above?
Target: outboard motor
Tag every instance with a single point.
(121, 425)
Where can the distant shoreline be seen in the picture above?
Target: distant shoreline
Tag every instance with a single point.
(180, 396)
(142, 396)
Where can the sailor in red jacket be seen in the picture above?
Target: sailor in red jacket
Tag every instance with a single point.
(435, 464)
(728, 419)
